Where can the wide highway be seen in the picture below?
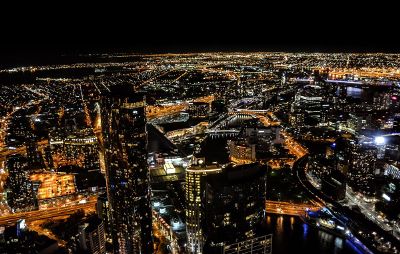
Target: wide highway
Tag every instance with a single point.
(46, 213)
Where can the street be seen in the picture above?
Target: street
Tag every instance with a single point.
(47, 213)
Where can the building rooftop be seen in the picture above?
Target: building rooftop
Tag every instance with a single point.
(232, 175)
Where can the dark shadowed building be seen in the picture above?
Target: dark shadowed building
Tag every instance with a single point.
(125, 146)
(234, 205)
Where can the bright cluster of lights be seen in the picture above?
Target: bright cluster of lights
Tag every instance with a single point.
(379, 140)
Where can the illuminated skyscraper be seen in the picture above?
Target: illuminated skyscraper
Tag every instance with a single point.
(103, 212)
(125, 146)
(194, 174)
(362, 169)
(20, 195)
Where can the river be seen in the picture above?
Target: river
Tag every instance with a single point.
(292, 235)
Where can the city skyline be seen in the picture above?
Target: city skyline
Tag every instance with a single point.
(201, 152)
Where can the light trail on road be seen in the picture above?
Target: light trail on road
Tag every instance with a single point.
(47, 213)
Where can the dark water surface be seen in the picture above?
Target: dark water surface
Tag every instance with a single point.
(291, 235)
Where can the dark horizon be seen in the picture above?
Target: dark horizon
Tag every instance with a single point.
(41, 54)
(291, 27)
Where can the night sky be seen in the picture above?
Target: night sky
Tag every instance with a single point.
(335, 27)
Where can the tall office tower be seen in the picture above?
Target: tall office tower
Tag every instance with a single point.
(20, 194)
(310, 107)
(233, 203)
(333, 184)
(194, 174)
(103, 213)
(342, 154)
(34, 159)
(127, 174)
(92, 236)
(362, 170)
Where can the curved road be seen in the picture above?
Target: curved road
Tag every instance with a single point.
(352, 219)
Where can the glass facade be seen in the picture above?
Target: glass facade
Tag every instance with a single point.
(194, 174)
(128, 183)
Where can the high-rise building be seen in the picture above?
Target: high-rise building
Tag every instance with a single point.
(389, 199)
(194, 174)
(103, 213)
(20, 195)
(92, 236)
(233, 205)
(127, 173)
(33, 156)
(362, 170)
(334, 185)
(310, 107)
(342, 154)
